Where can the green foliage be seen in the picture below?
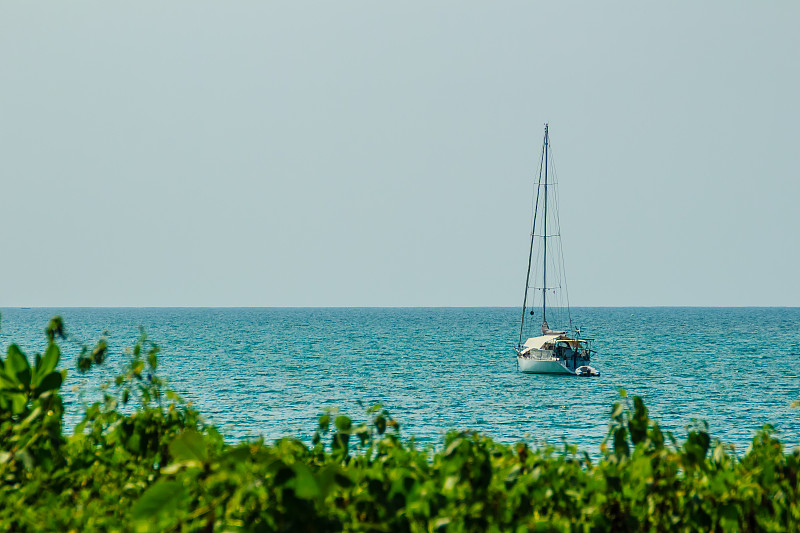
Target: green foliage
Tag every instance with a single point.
(143, 460)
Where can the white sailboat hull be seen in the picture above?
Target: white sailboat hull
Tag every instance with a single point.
(542, 366)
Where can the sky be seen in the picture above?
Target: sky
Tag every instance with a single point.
(361, 153)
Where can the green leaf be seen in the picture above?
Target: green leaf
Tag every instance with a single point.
(343, 423)
(17, 366)
(189, 446)
(46, 364)
(362, 432)
(638, 423)
(50, 359)
(18, 402)
(99, 352)
(729, 517)
(84, 364)
(55, 328)
(51, 381)
(328, 477)
(341, 442)
(305, 486)
(30, 418)
(9, 382)
(441, 524)
(152, 358)
(621, 447)
(452, 447)
(158, 507)
(380, 424)
(238, 455)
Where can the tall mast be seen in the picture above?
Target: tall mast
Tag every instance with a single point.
(533, 238)
(544, 236)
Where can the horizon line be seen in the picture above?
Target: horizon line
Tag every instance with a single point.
(391, 307)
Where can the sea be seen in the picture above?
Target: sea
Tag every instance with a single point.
(270, 372)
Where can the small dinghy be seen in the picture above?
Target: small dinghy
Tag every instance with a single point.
(586, 371)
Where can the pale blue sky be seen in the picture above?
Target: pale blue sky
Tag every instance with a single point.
(365, 153)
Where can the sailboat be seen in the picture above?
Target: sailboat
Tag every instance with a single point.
(553, 351)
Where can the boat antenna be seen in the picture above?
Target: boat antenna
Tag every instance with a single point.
(530, 252)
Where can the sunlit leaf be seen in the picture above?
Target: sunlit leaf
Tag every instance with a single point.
(99, 352)
(17, 367)
(158, 506)
(50, 359)
(189, 446)
(305, 486)
(343, 423)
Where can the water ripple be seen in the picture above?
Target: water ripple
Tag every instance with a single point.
(272, 371)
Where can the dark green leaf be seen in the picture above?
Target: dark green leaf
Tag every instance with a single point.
(621, 447)
(380, 424)
(55, 328)
(341, 441)
(152, 358)
(51, 381)
(84, 364)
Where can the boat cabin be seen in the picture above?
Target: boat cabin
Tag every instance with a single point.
(558, 343)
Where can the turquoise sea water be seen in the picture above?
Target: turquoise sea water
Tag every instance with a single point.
(272, 371)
